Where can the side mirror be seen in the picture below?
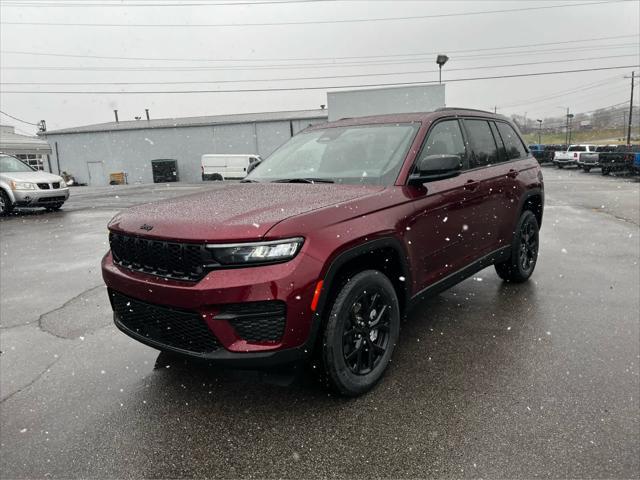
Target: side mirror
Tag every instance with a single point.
(436, 167)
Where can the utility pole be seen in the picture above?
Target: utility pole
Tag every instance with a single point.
(630, 110)
(566, 130)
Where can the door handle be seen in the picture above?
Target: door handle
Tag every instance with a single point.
(471, 185)
(513, 173)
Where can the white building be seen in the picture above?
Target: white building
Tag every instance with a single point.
(31, 150)
(92, 153)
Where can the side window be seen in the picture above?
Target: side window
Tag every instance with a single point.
(483, 146)
(445, 138)
(512, 142)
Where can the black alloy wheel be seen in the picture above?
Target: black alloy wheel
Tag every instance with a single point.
(360, 333)
(524, 251)
(366, 331)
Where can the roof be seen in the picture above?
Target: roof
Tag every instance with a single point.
(13, 143)
(411, 117)
(194, 121)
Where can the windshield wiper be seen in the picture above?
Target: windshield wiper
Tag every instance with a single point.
(304, 180)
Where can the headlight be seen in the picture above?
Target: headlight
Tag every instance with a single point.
(63, 184)
(23, 186)
(258, 252)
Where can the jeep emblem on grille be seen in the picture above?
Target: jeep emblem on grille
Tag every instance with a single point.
(146, 227)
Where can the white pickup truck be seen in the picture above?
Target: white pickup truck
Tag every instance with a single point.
(572, 155)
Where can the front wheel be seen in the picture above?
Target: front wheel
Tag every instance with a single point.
(361, 333)
(586, 169)
(606, 171)
(5, 203)
(560, 166)
(524, 251)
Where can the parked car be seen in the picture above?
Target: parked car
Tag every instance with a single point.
(589, 160)
(620, 160)
(572, 155)
(636, 163)
(222, 167)
(537, 150)
(321, 250)
(549, 152)
(23, 186)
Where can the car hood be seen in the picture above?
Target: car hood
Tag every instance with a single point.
(235, 212)
(34, 177)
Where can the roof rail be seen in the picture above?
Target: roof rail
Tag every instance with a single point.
(463, 108)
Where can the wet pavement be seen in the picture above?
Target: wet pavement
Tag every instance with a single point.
(488, 379)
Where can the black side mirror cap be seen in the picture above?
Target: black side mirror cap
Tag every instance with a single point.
(436, 167)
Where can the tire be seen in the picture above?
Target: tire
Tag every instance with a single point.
(360, 333)
(6, 207)
(586, 169)
(560, 166)
(216, 177)
(606, 171)
(524, 251)
(54, 208)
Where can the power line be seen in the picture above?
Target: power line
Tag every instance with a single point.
(182, 59)
(324, 77)
(313, 22)
(293, 66)
(199, 4)
(588, 86)
(18, 119)
(323, 87)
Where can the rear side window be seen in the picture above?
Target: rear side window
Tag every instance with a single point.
(445, 138)
(512, 143)
(577, 148)
(483, 146)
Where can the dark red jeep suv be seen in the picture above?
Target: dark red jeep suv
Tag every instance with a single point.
(328, 242)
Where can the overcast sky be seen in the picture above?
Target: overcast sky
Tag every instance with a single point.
(222, 57)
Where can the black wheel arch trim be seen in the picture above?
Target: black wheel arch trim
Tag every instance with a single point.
(339, 261)
(532, 192)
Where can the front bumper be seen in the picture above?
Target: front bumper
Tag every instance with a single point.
(564, 162)
(291, 283)
(40, 198)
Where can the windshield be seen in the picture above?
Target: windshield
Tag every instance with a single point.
(11, 164)
(370, 154)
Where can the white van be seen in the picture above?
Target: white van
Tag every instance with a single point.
(226, 166)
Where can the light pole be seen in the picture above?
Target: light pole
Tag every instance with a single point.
(539, 130)
(569, 117)
(441, 60)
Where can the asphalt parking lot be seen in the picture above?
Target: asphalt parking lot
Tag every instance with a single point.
(488, 380)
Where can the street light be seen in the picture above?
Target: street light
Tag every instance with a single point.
(441, 60)
(569, 117)
(539, 130)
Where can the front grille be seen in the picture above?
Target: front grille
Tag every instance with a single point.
(256, 321)
(182, 261)
(51, 199)
(43, 186)
(173, 328)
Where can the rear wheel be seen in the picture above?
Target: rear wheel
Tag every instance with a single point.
(361, 333)
(216, 177)
(606, 171)
(586, 169)
(524, 251)
(5, 203)
(560, 166)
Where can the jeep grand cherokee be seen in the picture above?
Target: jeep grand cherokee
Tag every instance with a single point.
(328, 242)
